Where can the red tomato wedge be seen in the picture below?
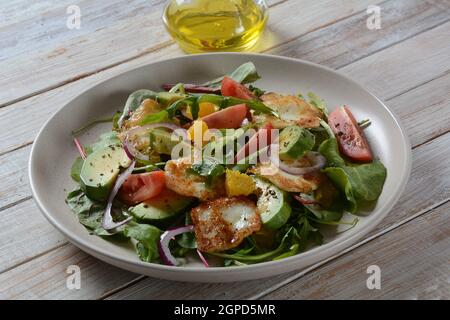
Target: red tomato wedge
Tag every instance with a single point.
(351, 138)
(231, 88)
(229, 118)
(141, 187)
(256, 142)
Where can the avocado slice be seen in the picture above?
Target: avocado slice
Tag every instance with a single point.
(162, 209)
(161, 141)
(167, 98)
(272, 204)
(100, 170)
(295, 142)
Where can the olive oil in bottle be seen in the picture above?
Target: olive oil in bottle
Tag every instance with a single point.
(216, 25)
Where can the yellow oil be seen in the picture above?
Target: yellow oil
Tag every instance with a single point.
(216, 25)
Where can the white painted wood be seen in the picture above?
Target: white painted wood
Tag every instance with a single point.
(413, 260)
(139, 33)
(399, 69)
(36, 110)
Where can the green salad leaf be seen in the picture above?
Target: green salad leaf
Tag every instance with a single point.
(360, 183)
(89, 212)
(247, 256)
(245, 73)
(318, 102)
(134, 101)
(76, 169)
(147, 237)
(209, 168)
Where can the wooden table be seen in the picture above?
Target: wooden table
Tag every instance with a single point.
(406, 63)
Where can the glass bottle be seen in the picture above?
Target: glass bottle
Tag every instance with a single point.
(216, 25)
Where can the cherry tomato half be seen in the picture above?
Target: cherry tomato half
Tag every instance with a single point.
(351, 138)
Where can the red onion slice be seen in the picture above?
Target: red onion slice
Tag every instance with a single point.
(316, 158)
(128, 143)
(107, 221)
(192, 88)
(305, 201)
(79, 148)
(163, 245)
(202, 258)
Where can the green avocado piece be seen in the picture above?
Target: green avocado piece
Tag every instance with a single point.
(100, 170)
(161, 141)
(272, 204)
(162, 209)
(167, 98)
(295, 142)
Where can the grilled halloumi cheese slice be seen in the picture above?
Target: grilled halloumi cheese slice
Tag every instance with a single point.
(223, 223)
(180, 180)
(286, 181)
(292, 111)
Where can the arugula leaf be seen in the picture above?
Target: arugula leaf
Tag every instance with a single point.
(225, 102)
(76, 169)
(319, 103)
(256, 91)
(245, 73)
(246, 257)
(187, 240)
(147, 237)
(134, 101)
(208, 168)
(194, 100)
(361, 183)
(89, 212)
(115, 120)
(160, 116)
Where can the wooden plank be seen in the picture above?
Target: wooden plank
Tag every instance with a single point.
(414, 262)
(34, 111)
(429, 162)
(136, 34)
(406, 100)
(14, 177)
(349, 40)
(42, 26)
(28, 234)
(14, 183)
(415, 106)
(46, 277)
(412, 55)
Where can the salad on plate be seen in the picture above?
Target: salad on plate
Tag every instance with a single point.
(224, 172)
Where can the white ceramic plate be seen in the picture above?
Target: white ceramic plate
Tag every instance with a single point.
(53, 153)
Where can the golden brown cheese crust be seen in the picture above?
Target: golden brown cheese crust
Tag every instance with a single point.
(224, 223)
(292, 111)
(286, 181)
(187, 184)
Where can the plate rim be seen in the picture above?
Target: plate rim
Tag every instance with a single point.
(323, 250)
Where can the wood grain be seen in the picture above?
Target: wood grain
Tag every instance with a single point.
(34, 111)
(349, 40)
(414, 263)
(418, 92)
(137, 32)
(46, 277)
